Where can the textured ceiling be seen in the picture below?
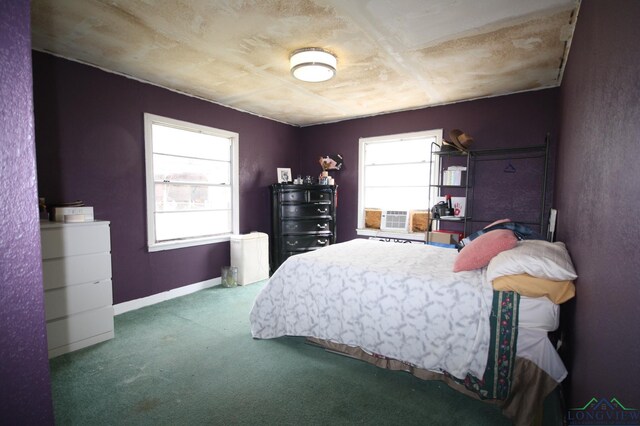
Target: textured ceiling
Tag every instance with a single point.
(392, 54)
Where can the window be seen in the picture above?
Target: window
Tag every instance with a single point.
(192, 183)
(394, 172)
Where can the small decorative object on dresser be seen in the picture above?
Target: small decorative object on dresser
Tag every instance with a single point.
(303, 219)
(331, 162)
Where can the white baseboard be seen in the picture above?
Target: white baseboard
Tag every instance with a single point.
(132, 305)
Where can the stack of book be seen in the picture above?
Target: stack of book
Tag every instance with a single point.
(454, 175)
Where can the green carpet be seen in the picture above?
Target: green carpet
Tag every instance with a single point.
(192, 361)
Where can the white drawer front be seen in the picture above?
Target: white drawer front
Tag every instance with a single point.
(72, 270)
(77, 327)
(67, 301)
(75, 240)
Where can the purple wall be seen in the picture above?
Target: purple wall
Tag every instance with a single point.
(502, 122)
(90, 146)
(25, 394)
(598, 196)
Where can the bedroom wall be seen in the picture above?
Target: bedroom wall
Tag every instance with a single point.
(507, 121)
(90, 147)
(25, 393)
(598, 195)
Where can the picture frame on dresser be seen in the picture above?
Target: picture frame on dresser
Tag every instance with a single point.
(284, 175)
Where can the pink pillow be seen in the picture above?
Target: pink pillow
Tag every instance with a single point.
(479, 252)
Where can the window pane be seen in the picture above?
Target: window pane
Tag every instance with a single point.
(415, 198)
(170, 140)
(171, 197)
(409, 151)
(171, 226)
(179, 169)
(397, 175)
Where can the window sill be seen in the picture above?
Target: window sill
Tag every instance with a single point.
(170, 245)
(370, 232)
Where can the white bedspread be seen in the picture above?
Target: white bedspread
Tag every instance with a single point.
(398, 300)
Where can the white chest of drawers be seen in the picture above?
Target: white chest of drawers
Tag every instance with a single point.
(76, 269)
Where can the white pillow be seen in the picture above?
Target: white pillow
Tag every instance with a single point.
(537, 258)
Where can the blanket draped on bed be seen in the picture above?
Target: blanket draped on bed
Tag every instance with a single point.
(403, 302)
(496, 382)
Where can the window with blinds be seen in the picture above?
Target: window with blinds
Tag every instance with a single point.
(192, 190)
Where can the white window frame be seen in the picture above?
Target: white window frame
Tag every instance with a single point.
(152, 244)
(361, 230)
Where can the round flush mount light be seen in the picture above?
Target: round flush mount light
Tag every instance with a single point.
(313, 64)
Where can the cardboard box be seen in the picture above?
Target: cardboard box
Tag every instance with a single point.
(419, 220)
(372, 218)
(445, 237)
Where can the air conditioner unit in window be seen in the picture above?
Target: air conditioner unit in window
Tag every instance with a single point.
(394, 220)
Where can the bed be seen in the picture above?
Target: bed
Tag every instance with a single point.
(401, 306)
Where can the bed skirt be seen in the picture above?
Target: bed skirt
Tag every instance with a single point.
(529, 387)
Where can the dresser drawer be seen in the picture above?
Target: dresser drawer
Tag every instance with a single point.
(306, 210)
(293, 197)
(319, 226)
(74, 239)
(288, 253)
(307, 196)
(305, 242)
(73, 270)
(83, 326)
(321, 195)
(67, 301)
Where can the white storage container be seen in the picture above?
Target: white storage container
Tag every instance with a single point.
(250, 254)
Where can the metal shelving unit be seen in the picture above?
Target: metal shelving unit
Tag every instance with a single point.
(437, 158)
(471, 159)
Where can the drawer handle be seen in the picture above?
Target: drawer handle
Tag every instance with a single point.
(295, 243)
(322, 242)
(325, 226)
(325, 210)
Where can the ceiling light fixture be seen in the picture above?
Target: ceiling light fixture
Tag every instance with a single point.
(313, 64)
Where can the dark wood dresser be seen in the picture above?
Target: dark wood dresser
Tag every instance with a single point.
(303, 219)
